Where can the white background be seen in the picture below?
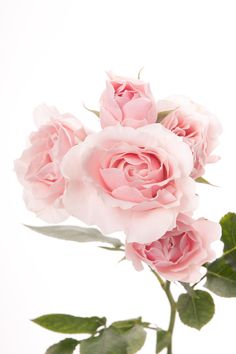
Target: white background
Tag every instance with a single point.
(57, 52)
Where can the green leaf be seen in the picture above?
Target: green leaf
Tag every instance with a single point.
(221, 274)
(197, 309)
(135, 339)
(228, 224)
(70, 324)
(221, 278)
(115, 341)
(204, 181)
(75, 233)
(97, 113)
(67, 346)
(127, 324)
(110, 341)
(111, 248)
(163, 340)
(162, 115)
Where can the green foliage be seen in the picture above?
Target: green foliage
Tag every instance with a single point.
(196, 309)
(135, 338)
(221, 278)
(108, 341)
(97, 113)
(162, 115)
(67, 346)
(163, 340)
(70, 324)
(122, 337)
(115, 341)
(76, 233)
(221, 274)
(204, 181)
(228, 224)
(139, 73)
(127, 324)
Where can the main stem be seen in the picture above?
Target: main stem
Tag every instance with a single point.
(166, 287)
(172, 314)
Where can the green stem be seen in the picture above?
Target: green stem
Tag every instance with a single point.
(166, 287)
(172, 315)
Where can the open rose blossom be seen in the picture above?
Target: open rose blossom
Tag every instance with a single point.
(38, 169)
(180, 253)
(127, 102)
(134, 180)
(199, 129)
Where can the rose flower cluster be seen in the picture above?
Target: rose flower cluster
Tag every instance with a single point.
(136, 175)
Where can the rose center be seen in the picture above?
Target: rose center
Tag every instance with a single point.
(170, 248)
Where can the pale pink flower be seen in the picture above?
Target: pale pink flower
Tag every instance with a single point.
(131, 180)
(127, 102)
(180, 253)
(199, 129)
(38, 169)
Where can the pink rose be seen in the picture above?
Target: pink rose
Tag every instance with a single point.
(127, 102)
(38, 169)
(180, 253)
(199, 129)
(132, 180)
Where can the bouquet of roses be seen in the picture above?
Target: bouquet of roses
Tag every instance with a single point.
(137, 175)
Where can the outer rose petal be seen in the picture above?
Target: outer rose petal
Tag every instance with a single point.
(173, 102)
(189, 199)
(43, 114)
(147, 226)
(80, 200)
(53, 213)
(110, 120)
(132, 256)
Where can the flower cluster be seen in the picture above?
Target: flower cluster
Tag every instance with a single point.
(136, 175)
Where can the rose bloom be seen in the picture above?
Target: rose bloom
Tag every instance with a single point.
(199, 129)
(38, 169)
(132, 180)
(127, 102)
(180, 253)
